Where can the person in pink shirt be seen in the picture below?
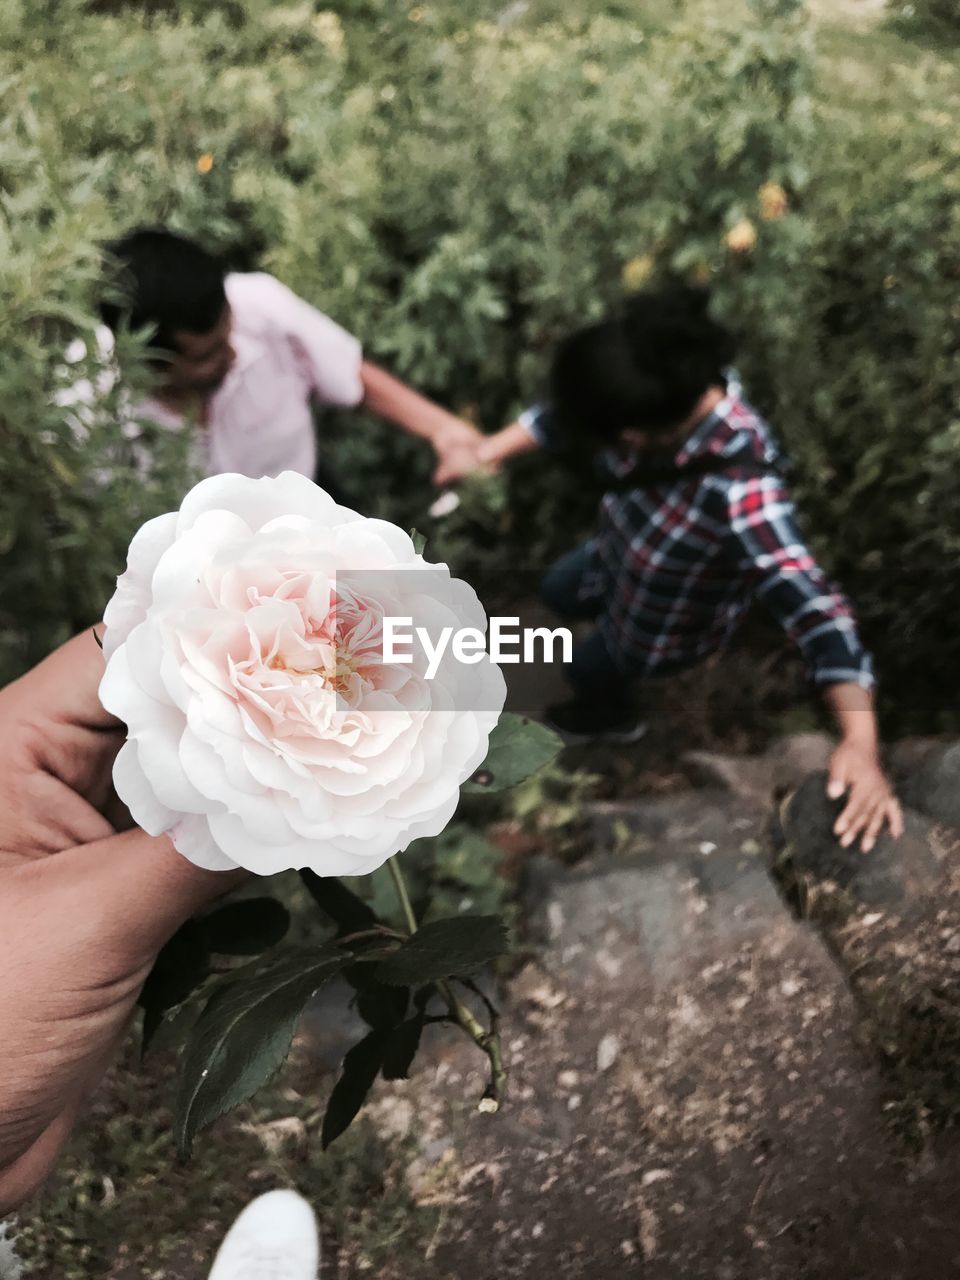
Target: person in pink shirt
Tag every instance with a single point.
(247, 362)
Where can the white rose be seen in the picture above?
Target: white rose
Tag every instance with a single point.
(244, 654)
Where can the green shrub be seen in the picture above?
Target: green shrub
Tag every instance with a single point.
(939, 19)
(460, 183)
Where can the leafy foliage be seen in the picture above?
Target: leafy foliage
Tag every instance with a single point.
(244, 1030)
(443, 949)
(937, 18)
(517, 176)
(245, 927)
(244, 1033)
(518, 747)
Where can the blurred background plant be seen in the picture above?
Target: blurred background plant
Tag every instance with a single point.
(462, 183)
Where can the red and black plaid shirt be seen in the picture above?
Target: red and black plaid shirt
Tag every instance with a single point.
(676, 564)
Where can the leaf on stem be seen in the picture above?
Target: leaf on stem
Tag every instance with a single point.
(245, 927)
(182, 966)
(401, 1048)
(360, 1069)
(378, 1004)
(445, 949)
(518, 747)
(348, 912)
(244, 1033)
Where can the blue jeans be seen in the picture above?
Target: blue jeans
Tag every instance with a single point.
(593, 673)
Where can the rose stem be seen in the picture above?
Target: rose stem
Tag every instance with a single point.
(488, 1041)
(401, 887)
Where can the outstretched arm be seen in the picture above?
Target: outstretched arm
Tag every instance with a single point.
(532, 430)
(455, 441)
(769, 550)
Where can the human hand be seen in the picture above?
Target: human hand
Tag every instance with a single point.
(84, 908)
(457, 445)
(855, 771)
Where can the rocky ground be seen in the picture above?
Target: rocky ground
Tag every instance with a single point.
(733, 1052)
(733, 1055)
(700, 1089)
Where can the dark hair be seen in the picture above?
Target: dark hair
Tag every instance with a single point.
(163, 281)
(644, 367)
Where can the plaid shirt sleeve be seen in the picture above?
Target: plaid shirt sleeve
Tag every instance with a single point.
(537, 421)
(768, 549)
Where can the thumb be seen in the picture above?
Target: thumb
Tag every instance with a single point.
(132, 890)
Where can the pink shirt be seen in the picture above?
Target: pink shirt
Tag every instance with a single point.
(289, 358)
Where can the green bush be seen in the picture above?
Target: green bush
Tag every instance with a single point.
(460, 183)
(939, 19)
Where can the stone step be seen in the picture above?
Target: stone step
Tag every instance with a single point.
(687, 1097)
(892, 920)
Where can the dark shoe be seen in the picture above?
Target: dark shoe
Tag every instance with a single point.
(580, 721)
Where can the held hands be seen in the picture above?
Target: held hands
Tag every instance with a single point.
(478, 452)
(856, 773)
(458, 448)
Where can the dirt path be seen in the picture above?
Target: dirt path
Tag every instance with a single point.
(693, 1093)
(688, 1094)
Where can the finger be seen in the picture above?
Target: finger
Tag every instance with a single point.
(873, 826)
(45, 814)
(853, 818)
(837, 780)
(135, 890)
(55, 716)
(895, 817)
(63, 688)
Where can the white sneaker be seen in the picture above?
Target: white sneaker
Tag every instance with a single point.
(11, 1267)
(274, 1238)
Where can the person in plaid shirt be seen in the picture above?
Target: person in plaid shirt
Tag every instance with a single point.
(696, 522)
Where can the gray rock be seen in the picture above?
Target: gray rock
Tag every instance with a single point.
(896, 873)
(692, 869)
(933, 785)
(756, 779)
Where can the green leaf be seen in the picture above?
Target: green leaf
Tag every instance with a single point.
(445, 949)
(245, 927)
(360, 1069)
(401, 1049)
(348, 912)
(182, 966)
(379, 1005)
(518, 747)
(419, 541)
(244, 1033)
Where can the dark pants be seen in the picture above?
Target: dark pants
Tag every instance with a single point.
(593, 673)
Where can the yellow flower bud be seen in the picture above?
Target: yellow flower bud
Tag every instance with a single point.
(205, 162)
(637, 271)
(773, 201)
(742, 236)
